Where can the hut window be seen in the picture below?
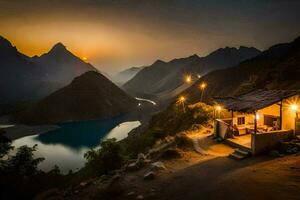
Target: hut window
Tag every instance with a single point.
(241, 120)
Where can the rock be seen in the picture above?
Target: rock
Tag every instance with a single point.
(149, 176)
(275, 153)
(158, 166)
(83, 184)
(140, 160)
(170, 154)
(131, 193)
(140, 197)
(132, 167)
(290, 147)
(112, 188)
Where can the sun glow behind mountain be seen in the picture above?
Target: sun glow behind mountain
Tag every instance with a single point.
(121, 34)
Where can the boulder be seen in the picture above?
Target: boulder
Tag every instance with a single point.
(158, 166)
(130, 193)
(290, 147)
(140, 160)
(132, 167)
(149, 176)
(140, 197)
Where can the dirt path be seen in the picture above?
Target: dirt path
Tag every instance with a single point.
(223, 178)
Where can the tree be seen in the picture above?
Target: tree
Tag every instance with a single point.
(23, 162)
(5, 144)
(106, 158)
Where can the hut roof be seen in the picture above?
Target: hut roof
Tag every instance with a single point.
(255, 100)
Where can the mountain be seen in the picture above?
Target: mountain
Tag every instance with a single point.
(19, 76)
(276, 68)
(125, 75)
(89, 96)
(164, 78)
(61, 66)
(24, 79)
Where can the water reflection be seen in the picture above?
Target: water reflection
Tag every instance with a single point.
(66, 146)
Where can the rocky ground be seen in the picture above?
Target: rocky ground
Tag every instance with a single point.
(180, 172)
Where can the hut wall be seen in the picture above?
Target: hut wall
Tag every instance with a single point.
(263, 142)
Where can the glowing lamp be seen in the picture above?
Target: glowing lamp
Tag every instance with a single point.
(257, 116)
(294, 107)
(203, 85)
(182, 99)
(188, 79)
(218, 108)
(198, 76)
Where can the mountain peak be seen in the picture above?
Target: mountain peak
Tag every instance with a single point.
(157, 62)
(59, 46)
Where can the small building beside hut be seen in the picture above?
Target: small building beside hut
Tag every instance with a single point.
(259, 120)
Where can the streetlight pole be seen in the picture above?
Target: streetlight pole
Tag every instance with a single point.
(202, 87)
(181, 100)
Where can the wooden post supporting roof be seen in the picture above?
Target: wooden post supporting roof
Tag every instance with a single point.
(281, 114)
(255, 123)
(232, 118)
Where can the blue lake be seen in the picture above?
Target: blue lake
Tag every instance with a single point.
(66, 146)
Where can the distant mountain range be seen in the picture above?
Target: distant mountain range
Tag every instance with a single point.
(23, 78)
(166, 79)
(276, 68)
(125, 75)
(89, 96)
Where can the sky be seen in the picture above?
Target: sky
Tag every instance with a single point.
(118, 34)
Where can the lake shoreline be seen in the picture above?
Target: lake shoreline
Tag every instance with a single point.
(18, 131)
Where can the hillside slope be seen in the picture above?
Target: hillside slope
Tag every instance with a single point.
(89, 96)
(276, 68)
(125, 75)
(18, 76)
(163, 77)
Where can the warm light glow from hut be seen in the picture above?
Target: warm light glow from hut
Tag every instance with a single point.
(294, 107)
(218, 108)
(257, 116)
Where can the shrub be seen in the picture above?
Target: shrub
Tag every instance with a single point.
(22, 163)
(108, 157)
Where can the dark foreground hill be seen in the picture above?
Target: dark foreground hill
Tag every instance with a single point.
(89, 96)
(164, 77)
